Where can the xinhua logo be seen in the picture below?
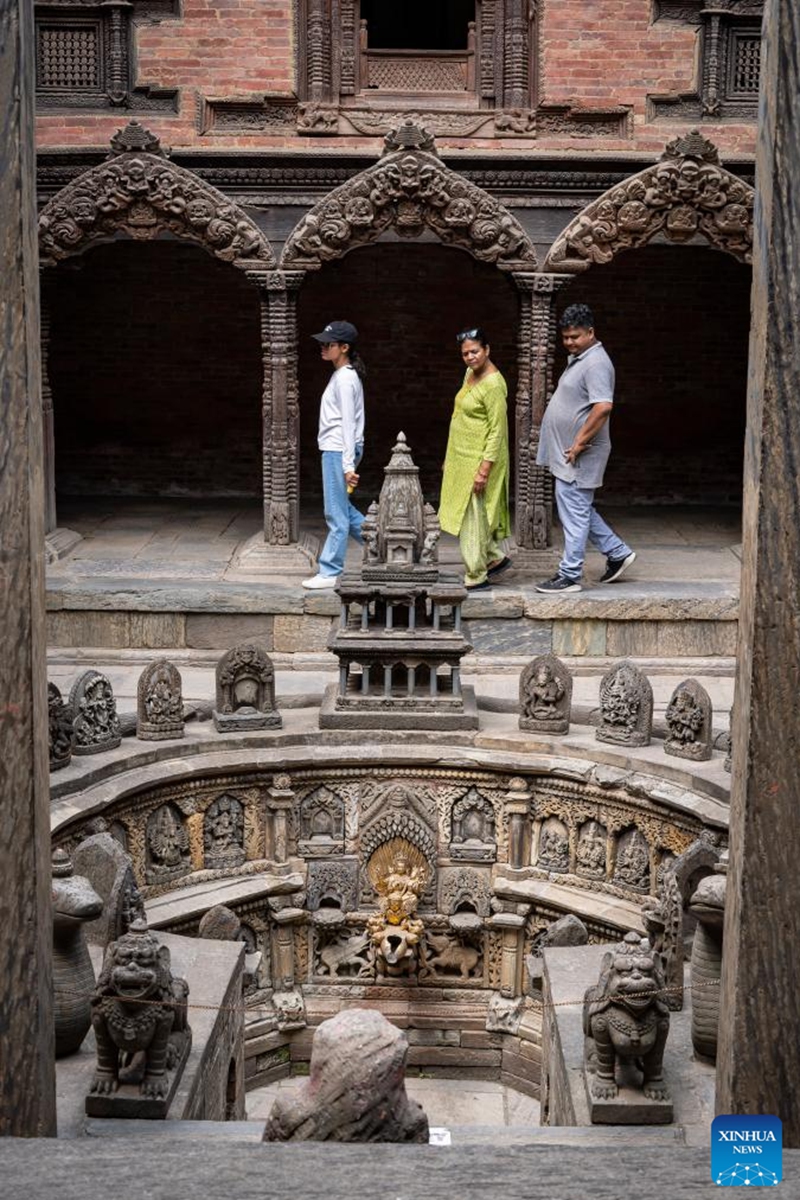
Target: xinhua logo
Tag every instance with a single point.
(746, 1151)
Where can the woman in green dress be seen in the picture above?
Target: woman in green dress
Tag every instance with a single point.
(474, 500)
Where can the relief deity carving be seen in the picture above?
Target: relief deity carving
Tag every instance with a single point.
(159, 703)
(321, 821)
(246, 691)
(688, 718)
(590, 855)
(632, 861)
(167, 845)
(545, 695)
(626, 707)
(223, 833)
(398, 872)
(60, 723)
(553, 852)
(95, 722)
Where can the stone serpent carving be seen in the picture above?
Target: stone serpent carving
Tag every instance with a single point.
(708, 905)
(74, 903)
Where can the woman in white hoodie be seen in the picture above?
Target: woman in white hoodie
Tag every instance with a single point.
(341, 440)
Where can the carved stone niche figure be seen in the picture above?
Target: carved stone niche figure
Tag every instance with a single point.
(223, 833)
(590, 854)
(707, 905)
(472, 835)
(688, 718)
(465, 890)
(545, 695)
(321, 823)
(632, 860)
(167, 845)
(356, 1087)
(74, 902)
(343, 953)
(626, 1023)
(159, 710)
(109, 870)
(369, 535)
(60, 719)
(245, 691)
(140, 1026)
(95, 722)
(553, 853)
(398, 871)
(626, 707)
(458, 957)
(332, 889)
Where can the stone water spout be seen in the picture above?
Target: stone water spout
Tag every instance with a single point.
(398, 871)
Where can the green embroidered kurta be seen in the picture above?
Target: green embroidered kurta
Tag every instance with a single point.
(478, 431)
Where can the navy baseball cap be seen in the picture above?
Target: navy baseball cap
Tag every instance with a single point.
(338, 331)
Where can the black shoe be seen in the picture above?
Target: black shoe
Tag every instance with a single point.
(502, 565)
(559, 583)
(477, 587)
(615, 567)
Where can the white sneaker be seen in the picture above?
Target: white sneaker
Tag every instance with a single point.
(320, 581)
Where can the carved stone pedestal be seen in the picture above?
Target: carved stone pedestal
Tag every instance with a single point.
(259, 557)
(629, 1107)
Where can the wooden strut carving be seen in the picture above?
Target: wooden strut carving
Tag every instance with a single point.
(138, 191)
(684, 194)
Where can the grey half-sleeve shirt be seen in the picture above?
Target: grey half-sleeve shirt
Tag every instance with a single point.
(588, 379)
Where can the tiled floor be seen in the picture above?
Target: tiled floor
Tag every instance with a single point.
(448, 1103)
(198, 541)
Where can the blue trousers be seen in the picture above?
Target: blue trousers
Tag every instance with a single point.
(343, 518)
(581, 524)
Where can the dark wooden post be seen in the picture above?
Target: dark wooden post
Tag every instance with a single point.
(759, 1046)
(27, 1046)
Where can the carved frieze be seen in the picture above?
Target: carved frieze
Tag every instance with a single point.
(686, 194)
(263, 114)
(139, 192)
(409, 190)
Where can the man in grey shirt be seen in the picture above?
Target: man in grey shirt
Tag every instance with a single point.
(574, 443)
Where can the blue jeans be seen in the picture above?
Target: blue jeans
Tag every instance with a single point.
(343, 518)
(581, 523)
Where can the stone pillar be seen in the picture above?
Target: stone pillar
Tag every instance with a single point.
(280, 804)
(27, 1043)
(759, 1044)
(518, 807)
(537, 344)
(287, 998)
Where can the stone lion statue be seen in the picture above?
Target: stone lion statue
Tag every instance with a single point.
(627, 1018)
(137, 1008)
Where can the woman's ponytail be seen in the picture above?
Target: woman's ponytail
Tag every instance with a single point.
(357, 363)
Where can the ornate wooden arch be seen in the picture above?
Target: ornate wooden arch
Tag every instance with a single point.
(685, 193)
(409, 190)
(138, 191)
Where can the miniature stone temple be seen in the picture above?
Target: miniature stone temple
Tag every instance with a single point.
(400, 641)
(246, 691)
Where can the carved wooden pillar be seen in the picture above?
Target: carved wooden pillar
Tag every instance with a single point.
(48, 433)
(489, 60)
(27, 1044)
(537, 343)
(280, 409)
(347, 56)
(118, 76)
(516, 32)
(759, 1032)
(319, 40)
(711, 37)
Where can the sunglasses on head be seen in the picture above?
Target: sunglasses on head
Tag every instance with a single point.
(467, 335)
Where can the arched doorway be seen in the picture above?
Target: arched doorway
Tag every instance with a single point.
(155, 391)
(675, 321)
(408, 301)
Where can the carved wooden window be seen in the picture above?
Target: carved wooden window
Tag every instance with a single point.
(467, 53)
(744, 64)
(84, 55)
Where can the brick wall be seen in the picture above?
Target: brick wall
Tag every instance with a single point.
(155, 367)
(675, 321)
(246, 48)
(408, 300)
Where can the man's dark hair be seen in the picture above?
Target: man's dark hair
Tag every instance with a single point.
(576, 316)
